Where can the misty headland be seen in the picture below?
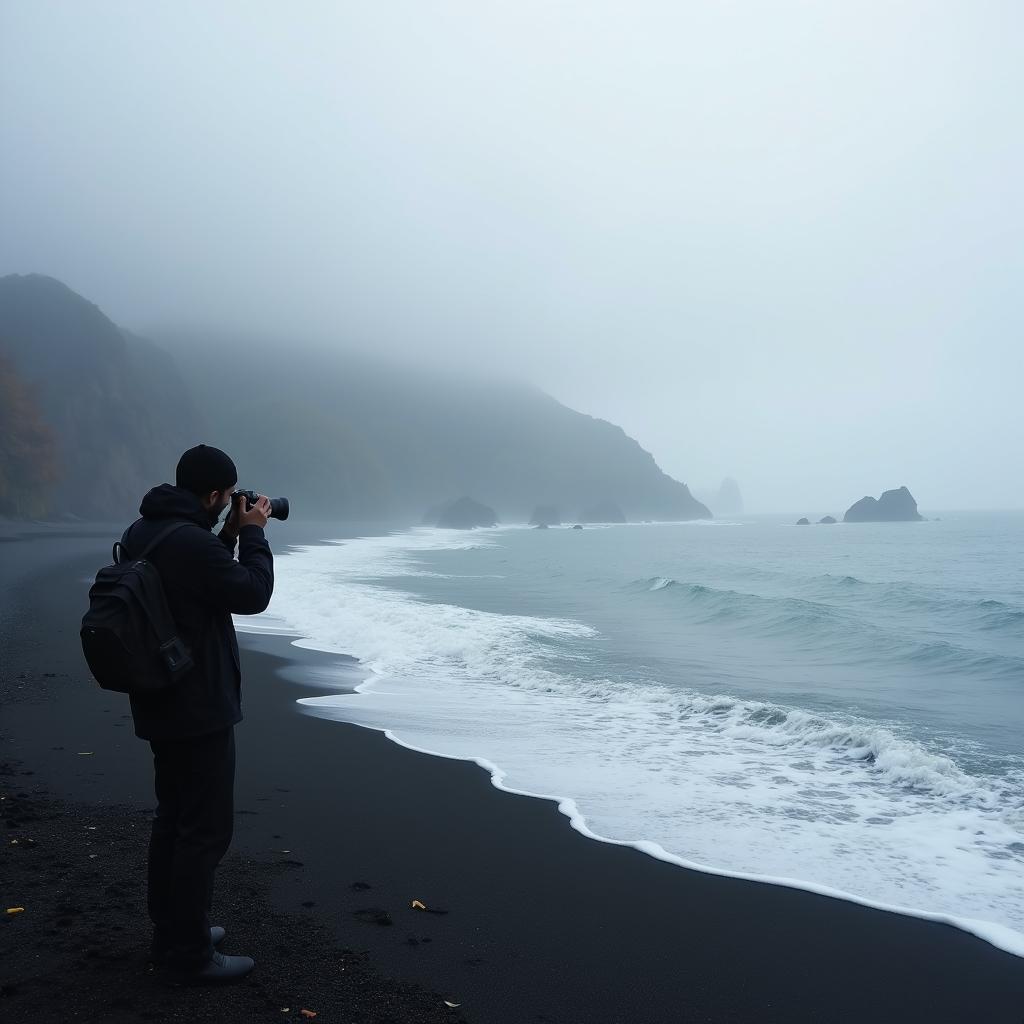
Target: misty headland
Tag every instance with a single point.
(346, 437)
(91, 409)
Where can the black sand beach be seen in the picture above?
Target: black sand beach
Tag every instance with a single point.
(338, 830)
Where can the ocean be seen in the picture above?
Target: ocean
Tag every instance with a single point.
(837, 708)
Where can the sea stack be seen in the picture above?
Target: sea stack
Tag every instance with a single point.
(897, 506)
(545, 515)
(729, 500)
(465, 514)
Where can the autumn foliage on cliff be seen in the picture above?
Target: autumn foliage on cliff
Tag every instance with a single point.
(28, 449)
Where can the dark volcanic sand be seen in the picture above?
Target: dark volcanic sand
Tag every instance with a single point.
(79, 950)
(542, 924)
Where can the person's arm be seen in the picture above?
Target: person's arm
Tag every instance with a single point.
(243, 587)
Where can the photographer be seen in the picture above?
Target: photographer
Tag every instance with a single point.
(190, 725)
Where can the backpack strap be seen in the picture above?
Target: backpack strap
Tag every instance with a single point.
(162, 535)
(121, 551)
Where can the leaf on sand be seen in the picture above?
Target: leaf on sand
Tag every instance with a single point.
(15, 910)
(452, 1005)
(308, 1013)
(85, 753)
(418, 905)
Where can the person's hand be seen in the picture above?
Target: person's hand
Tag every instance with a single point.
(230, 527)
(258, 515)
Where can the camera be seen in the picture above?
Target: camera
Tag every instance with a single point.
(278, 506)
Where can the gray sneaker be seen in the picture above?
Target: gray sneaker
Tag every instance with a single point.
(219, 970)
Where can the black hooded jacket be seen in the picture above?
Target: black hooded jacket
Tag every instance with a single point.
(204, 585)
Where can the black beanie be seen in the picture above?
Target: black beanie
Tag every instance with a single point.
(204, 469)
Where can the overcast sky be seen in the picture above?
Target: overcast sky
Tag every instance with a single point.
(782, 241)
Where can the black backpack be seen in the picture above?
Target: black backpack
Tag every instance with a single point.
(128, 636)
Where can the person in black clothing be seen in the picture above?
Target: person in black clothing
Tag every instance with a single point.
(190, 725)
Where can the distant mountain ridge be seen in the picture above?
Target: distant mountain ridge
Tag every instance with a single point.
(341, 435)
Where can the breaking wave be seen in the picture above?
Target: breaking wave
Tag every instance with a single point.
(873, 808)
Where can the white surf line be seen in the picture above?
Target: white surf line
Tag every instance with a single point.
(1000, 936)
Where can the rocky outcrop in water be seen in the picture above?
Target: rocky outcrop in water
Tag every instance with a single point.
(803, 522)
(827, 520)
(729, 501)
(466, 514)
(896, 506)
(545, 515)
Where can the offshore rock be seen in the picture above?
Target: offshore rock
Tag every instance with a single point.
(545, 515)
(897, 506)
(465, 514)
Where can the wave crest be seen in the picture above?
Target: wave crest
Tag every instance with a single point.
(884, 754)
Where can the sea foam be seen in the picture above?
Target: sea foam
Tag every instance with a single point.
(750, 788)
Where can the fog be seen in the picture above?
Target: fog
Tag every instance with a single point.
(778, 241)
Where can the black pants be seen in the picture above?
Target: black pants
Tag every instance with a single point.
(195, 781)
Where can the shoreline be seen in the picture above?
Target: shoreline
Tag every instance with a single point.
(999, 936)
(541, 923)
(363, 679)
